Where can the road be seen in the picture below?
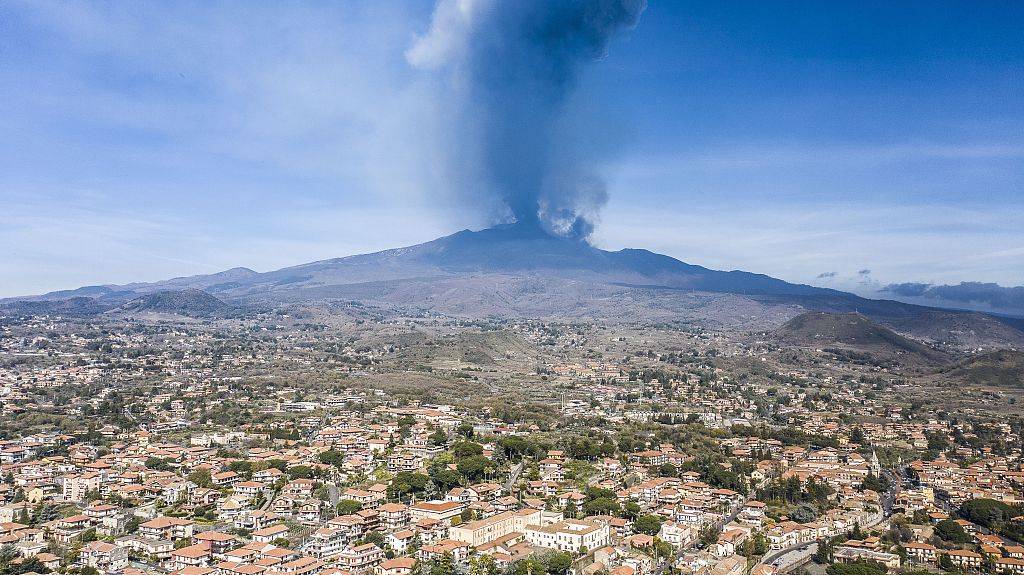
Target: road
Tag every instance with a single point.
(734, 511)
(788, 559)
(796, 555)
(514, 475)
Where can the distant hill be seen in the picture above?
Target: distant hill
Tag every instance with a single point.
(853, 331)
(521, 271)
(189, 302)
(1003, 368)
(73, 306)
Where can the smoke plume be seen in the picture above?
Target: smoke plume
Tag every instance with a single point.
(506, 69)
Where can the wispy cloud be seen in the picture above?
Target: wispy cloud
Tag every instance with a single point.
(797, 241)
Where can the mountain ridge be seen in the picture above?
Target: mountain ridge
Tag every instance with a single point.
(522, 271)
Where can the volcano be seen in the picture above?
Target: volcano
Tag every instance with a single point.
(516, 270)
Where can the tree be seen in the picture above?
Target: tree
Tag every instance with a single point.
(920, 517)
(348, 506)
(667, 470)
(662, 548)
(467, 449)
(158, 464)
(825, 552)
(301, 472)
(709, 534)
(443, 477)
(242, 467)
(988, 512)
(951, 531)
(201, 477)
(443, 566)
(482, 564)
(473, 467)
(856, 568)
(945, 563)
(557, 563)
(857, 436)
(857, 532)
(332, 457)
(600, 506)
(570, 510)
(758, 544)
(407, 482)
(647, 524)
(804, 513)
(438, 437)
(631, 510)
(132, 525)
(875, 483)
(465, 430)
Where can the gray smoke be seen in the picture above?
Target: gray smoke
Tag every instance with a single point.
(508, 68)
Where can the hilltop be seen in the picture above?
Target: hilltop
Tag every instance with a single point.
(188, 302)
(1003, 368)
(853, 331)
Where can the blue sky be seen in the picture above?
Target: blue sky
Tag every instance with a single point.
(809, 141)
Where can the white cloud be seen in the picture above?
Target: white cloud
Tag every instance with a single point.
(932, 243)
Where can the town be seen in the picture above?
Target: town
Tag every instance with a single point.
(376, 442)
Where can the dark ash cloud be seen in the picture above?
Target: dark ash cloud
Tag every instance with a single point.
(967, 294)
(908, 289)
(507, 69)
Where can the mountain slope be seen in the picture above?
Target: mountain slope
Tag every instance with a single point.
(1003, 368)
(852, 331)
(190, 302)
(522, 271)
(517, 249)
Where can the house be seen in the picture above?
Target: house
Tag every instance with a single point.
(68, 529)
(734, 565)
(393, 516)
(298, 566)
(269, 534)
(326, 542)
(458, 550)
(1010, 565)
(569, 535)
(198, 555)
(299, 488)
(269, 475)
(218, 542)
(367, 497)
(104, 557)
(854, 554)
(401, 540)
(360, 559)
(225, 478)
(481, 531)
(752, 513)
(921, 552)
(965, 559)
(436, 510)
(396, 566)
(172, 528)
(250, 489)
(677, 534)
(159, 548)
